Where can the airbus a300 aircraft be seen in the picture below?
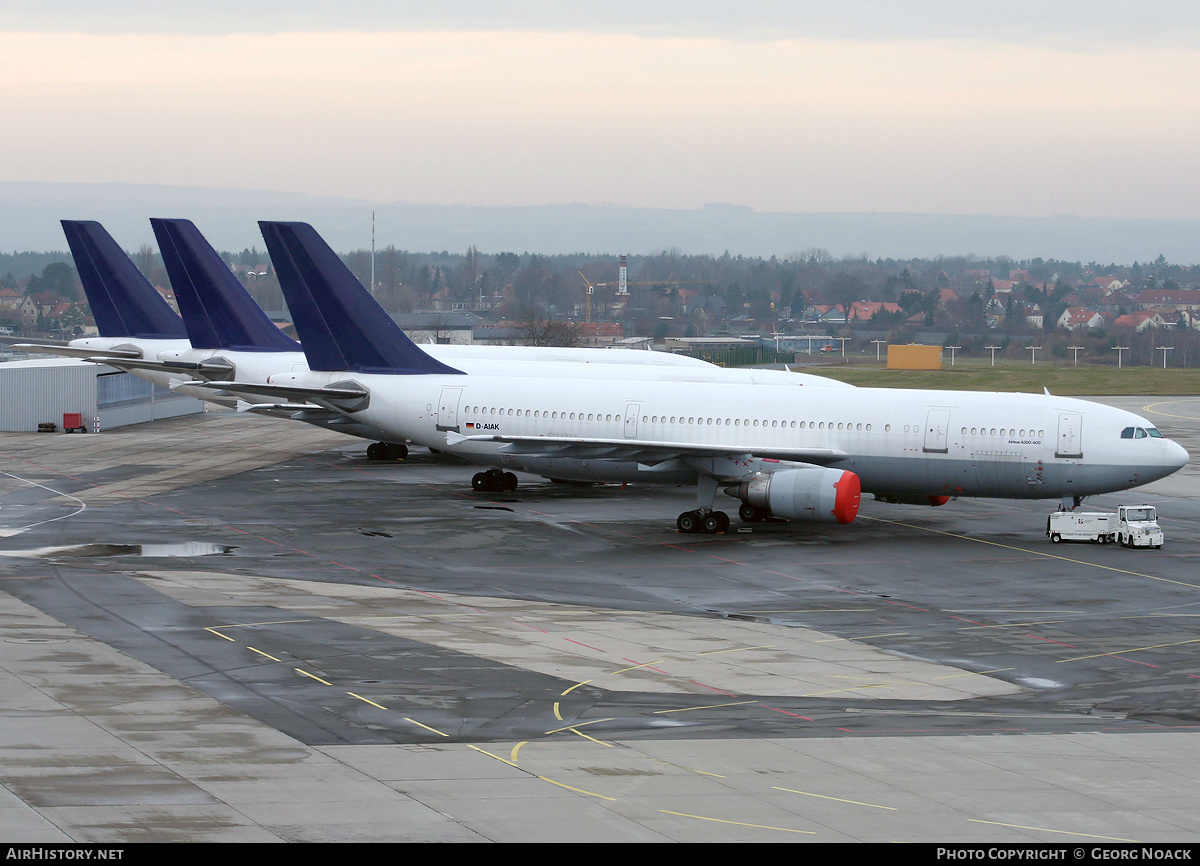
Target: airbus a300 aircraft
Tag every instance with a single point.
(230, 335)
(224, 334)
(798, 453)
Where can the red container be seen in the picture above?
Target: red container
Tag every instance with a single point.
(73, 421)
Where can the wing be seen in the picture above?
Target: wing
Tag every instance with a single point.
(648, 452)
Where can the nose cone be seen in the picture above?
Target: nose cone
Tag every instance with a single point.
(1175, 457)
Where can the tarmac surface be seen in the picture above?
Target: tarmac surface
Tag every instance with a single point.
(234, 628)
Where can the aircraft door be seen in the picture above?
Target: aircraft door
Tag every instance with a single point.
(1070, 435)
(448, 409)
(937, 427)
(632, 411)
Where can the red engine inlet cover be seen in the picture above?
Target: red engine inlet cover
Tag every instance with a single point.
(849, 495)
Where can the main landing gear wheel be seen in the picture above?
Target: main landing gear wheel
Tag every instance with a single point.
(712, 523)
(494, 481)
(387, 451)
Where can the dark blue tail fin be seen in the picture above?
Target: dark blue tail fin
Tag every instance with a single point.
(340, 324)
(123, 302)
(217, 310)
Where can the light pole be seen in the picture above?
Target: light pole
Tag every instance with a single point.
(951, 348)
(1076, 350)
(993, 348)
(1120, 350)
(877, 344)
(1164, 350)
(843, 341)
(1033, 356)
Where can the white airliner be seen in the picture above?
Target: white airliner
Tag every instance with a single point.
(798, 453)
(223, 334)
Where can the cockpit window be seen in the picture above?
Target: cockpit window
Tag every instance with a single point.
(1140, 433)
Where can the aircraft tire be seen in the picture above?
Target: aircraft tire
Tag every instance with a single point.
(375, 451)
(716, 522)
(508, 482)
(480, 482)
(688, 522)
(394, 451)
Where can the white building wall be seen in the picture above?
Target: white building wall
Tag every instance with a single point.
(43, 390)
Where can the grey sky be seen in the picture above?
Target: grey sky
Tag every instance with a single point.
(1020, 108)
(1155, 22)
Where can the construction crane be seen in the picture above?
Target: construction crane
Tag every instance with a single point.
(591, 289)
(623, 284)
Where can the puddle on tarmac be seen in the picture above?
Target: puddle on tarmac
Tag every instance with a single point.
(187, 548)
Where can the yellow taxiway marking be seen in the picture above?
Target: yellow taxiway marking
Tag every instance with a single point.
(850, 689)
(864, 636)
(738, 823)
(586, 737)
(1012, 624)
(1048, 830)
(213, 630)
(574, 687)
(366, 700)
(303, 672)
(543, 778)
(1150, 408)
(635, 667)
(263, 654)
(426, 727)
(737, 650)
(971, 674)
(682, 767)
(1137, 649)
(1036, 553)
(574, 725)
(513, 754)
(706, 707)
(838, 799)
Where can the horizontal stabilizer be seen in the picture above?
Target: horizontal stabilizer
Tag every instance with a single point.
(217, 310)
(98, 355)
(273, 408)
(211, 368)
(342, 396)
(123, 302)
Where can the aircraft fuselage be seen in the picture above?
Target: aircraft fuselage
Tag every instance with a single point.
(899, 442)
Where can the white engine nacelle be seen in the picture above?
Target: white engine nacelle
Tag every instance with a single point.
(810, 493)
